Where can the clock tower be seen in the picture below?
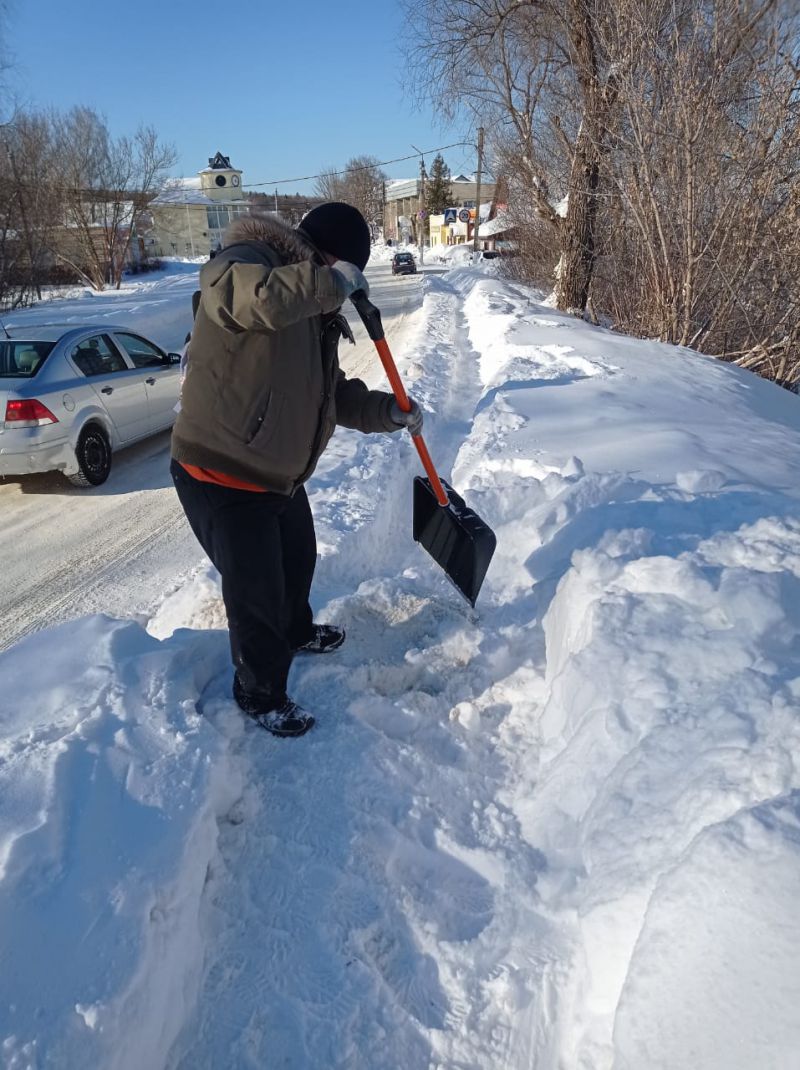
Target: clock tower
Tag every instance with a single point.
(220, 181)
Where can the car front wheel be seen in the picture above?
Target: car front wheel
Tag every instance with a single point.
(93, 453)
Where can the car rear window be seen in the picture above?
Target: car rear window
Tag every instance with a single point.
(403, 256)
(22, 360)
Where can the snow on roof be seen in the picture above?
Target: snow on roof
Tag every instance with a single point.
(183, 191)
(402, 187)
(177, 195)
(188, 191)
(495, 226)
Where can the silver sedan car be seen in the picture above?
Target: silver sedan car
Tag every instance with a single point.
(69, 397)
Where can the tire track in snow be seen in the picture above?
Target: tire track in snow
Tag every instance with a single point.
(73, 586)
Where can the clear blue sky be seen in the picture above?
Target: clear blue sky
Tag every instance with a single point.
(284, 87)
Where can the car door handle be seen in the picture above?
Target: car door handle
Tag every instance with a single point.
(106, 389)
(151, 381)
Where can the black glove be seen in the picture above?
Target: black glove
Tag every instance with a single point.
(411, 420)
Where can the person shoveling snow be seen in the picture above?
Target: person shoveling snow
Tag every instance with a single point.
(263, 398)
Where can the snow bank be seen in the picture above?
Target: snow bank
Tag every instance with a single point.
(661, 525)
(112, 786)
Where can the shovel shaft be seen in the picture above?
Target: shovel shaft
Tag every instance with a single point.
(371, 318)
(396, 383)
(455, 537)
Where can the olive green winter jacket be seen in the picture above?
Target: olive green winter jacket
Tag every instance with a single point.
(263, 390)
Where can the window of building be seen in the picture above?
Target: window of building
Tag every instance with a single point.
(218, 217)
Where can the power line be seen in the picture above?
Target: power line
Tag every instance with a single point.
(272, 182)
(351, 170)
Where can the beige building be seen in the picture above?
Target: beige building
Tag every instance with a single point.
(191, 214)
(401, 218)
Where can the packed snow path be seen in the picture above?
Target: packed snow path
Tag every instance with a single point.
(559, 832)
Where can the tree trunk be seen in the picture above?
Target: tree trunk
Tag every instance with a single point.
(578, 229)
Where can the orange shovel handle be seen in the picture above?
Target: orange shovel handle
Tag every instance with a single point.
(396, 383)
(371, 318)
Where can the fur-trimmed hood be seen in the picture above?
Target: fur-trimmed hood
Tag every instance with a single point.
(292, 246)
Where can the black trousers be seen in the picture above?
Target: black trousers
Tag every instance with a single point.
(264, 548)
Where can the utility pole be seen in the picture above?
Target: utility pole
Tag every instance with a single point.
(189, 224)
(477, 196)
(422, 213)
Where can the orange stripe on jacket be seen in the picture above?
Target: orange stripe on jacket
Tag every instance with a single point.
(208, 475)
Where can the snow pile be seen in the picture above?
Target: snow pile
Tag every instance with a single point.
(452, 255)
(662, 782)
(559, 832)
(112, 785)
(381, 253)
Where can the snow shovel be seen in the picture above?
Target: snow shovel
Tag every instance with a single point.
(455, 537)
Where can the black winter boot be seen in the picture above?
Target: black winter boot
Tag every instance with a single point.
(278, 714)
(325, 638)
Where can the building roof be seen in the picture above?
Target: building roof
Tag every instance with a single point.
(179, 191)
(178, 196)
(183, 191)
(219, 163)
(399, 188)
(495, 226)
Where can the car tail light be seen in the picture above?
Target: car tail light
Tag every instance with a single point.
(28, 413)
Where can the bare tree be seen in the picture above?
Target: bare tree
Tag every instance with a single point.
(107, 185)
(364, 185)
(359, 184)
(28, 206)
(652, 151)
(31, 161)
(541, 77)
(330, 185)
(703, 217)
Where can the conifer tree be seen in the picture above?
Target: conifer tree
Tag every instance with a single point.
(438, 194)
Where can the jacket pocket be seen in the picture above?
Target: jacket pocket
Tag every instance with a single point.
(267, 423)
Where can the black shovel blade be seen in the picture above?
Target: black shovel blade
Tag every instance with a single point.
(455, 537)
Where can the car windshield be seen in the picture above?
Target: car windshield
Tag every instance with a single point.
(22, 359)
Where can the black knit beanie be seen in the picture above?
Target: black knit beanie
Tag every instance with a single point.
(338, 229)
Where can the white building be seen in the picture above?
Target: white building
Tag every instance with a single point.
(191, 214)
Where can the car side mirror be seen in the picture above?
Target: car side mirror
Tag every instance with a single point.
(174, 358)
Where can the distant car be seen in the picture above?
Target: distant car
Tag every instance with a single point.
(70, 397)
(403, 264)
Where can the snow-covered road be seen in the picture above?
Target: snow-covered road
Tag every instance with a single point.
(117, 548)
